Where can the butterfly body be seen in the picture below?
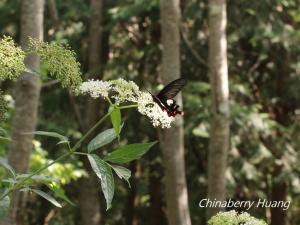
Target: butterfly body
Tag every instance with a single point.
(165, 97)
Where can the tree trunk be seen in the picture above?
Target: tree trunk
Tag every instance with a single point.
(278, 193)
(89, 198)
(172, 139)
(27, 91)
(133, 198)
(90, 209)
(279, 186)
(53, 13)
(157, 216)
(219, 137)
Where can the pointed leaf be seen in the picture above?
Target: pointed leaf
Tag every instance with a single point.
(115, 117)
(110, 109)
(104, 173)
(128, 153)
(102, 139)
(4, 207)
(9, 180)
(4, 163)
(3, 132)
(62, 142)
(36, 177)
(62, 138)
(5, 138)
(46, 196)
(122, 172)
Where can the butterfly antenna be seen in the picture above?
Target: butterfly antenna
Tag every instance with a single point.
(149, 92)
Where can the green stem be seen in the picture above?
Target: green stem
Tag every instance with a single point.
(127, 106)
(72, 151)
(110, 102)
(80, 153)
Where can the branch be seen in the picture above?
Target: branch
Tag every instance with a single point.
(50, 83)
(190, 48)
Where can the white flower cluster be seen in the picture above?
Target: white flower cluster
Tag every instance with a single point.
(96, 88)
(233, 217)
(127, 91)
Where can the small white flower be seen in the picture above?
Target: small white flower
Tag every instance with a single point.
(96, 88)
(149, 108)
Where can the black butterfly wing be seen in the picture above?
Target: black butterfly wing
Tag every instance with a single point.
(172, 89)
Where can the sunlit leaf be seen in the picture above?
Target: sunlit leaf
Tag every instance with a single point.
(104, 173)
(128, 153)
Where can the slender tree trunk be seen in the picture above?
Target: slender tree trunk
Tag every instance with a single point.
(27, 93)
(54, 18)
(172, 140)
(90, 209)
(279, 193)
(157, 216)
(279, 186)
(219, 137)
(89, 199)
(133, 198)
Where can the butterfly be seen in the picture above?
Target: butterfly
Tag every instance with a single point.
(165, 97)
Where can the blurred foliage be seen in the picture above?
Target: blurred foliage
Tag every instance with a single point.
(63, 173)
(3, 107)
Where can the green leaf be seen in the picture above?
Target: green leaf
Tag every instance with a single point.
(3, 162)
(122, 172)
(62, 138)
(5, 138)
(115, 117)
(44, 195)
(36, 177)
(111, 109)
(104, 172)
(4, 207)
(3, 132)
(102, 139)
(128, 153)
(9, 180)
(59, 192)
